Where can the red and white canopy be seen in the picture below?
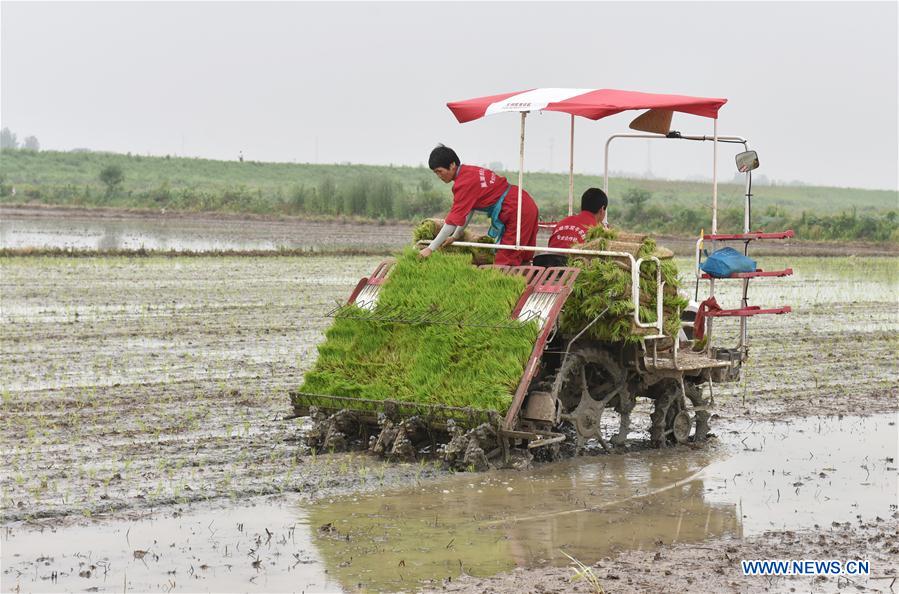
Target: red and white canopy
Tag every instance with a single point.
(589, 103)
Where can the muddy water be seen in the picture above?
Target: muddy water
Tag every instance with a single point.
(42, 229)
(796, 476)
(769, 476)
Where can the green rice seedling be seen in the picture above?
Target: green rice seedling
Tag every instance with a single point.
(604, 287)
(428, 229)
(583, 572)
(473, 358)
(425, 230)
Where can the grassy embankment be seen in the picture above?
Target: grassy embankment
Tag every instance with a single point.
(409, 193)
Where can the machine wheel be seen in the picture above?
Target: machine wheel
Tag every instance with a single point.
(700, 408)
(588, 381)
(671, 423)
(681, 426)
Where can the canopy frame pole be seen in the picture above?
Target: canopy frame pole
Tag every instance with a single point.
(715, 176)
(708, 321)
(702, 138)
(571, 170)
(744, 320)
(520, 182)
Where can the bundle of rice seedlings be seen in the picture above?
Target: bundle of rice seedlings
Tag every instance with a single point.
(604, 285)
(474, 357)
(428, 229)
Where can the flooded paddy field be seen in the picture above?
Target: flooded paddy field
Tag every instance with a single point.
(42, 227)
(148, 394)
(644, 520)
(114, 230)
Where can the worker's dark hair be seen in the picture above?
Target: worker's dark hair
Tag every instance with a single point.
(594, 200)
(443, 156)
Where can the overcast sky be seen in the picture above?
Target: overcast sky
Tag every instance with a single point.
(813, 86)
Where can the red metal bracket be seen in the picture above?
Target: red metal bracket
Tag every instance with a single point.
(377, 278)
(531, 274)
(380, 274)
(753, 310)
(557, 281)
(757, 273)
(556, 278)
(749, 236)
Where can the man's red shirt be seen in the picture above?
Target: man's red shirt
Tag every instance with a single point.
(475, 187)
(572, 230)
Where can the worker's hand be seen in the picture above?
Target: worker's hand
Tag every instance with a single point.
(449, 241)
(424, 253)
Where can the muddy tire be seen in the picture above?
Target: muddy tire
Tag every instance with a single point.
(667, 422)
(589, 380)
(700, 406)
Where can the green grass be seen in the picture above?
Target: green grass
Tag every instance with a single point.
(202, 184)
(475, 361)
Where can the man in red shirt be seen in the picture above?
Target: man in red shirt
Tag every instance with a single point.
(478, 188)
(573, 230)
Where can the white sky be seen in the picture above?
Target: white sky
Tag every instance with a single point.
(812, 85)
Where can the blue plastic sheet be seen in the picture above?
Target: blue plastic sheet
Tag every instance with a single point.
(726, 261)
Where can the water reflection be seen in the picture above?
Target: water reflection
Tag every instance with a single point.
(587, 508)
(24, 229)
(86, 234)
(786, 476)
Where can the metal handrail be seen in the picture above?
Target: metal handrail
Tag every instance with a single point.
(635, 274)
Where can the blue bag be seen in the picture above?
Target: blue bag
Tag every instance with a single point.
(726, 261)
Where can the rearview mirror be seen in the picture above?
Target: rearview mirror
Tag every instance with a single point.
(747, 161)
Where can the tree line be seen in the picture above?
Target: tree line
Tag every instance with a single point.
(375, 198)
(9, 140)
(638, 212)
(378, 197)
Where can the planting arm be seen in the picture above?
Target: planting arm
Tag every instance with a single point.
(445, 232)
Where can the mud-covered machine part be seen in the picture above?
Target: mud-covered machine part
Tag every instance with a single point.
(557, 409)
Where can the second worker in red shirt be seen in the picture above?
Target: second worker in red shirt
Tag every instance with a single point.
(480, 189)
(573, 230)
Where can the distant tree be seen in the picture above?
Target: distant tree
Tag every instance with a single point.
(636, 199)
(8, 139)
(299, 196)
(328, 200)
(30, 143)
(112, 176)
(381, 198)
(355, 200)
